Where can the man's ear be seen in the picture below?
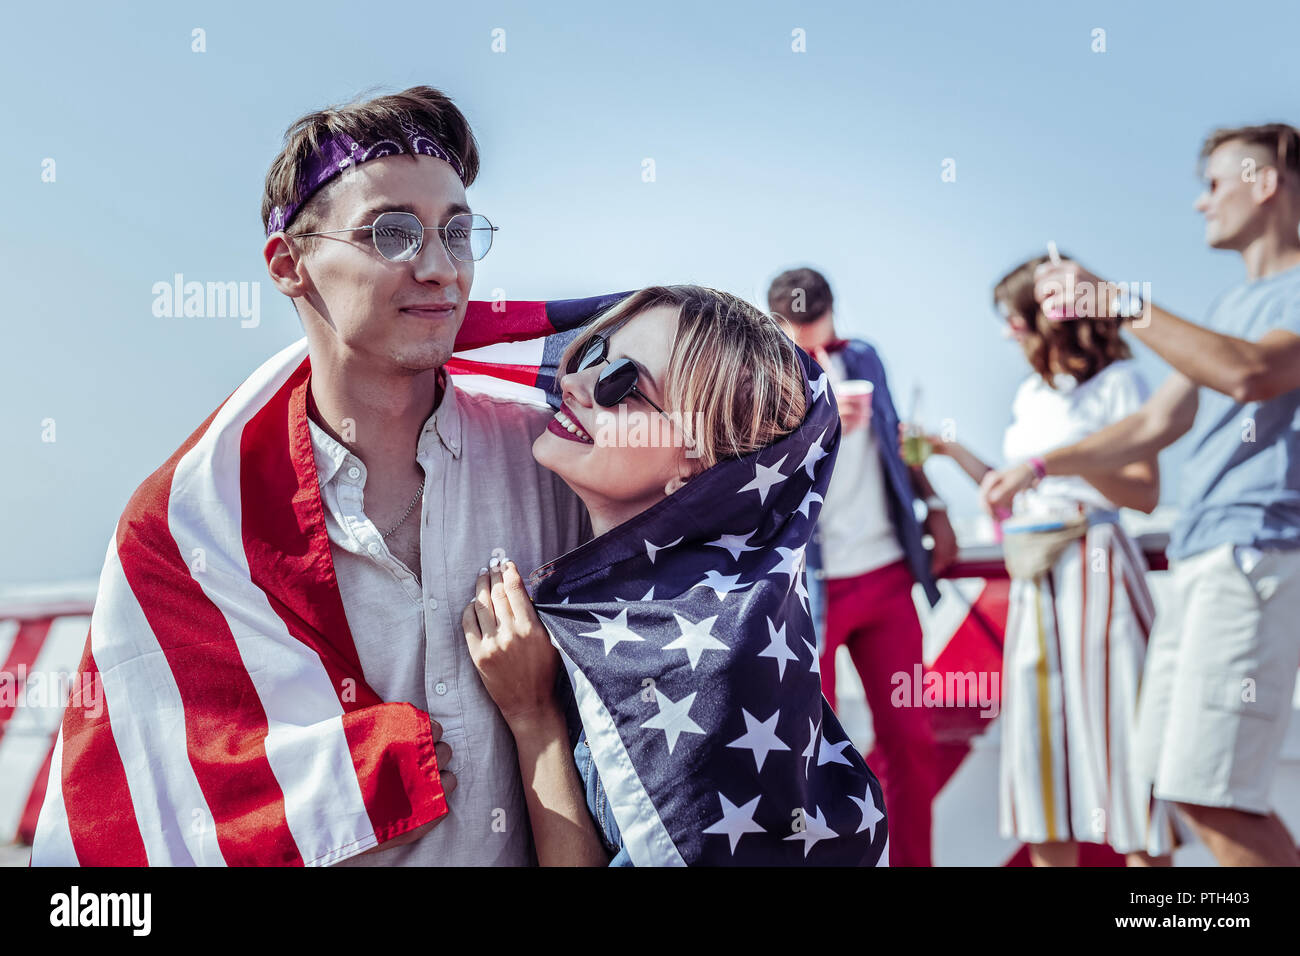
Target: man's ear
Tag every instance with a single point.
(284, 266)
(1266, 183)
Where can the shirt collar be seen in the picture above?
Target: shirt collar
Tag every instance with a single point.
(445, 420)
(443, 426)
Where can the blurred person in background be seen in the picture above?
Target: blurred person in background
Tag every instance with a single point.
(866, 555)
(1079, 612)
(1221, 668)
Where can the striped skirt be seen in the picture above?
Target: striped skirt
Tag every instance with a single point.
(1072, 667)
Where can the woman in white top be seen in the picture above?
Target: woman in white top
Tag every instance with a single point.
(1076, 634)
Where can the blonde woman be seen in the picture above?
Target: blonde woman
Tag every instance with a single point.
(701, 441)
(1077, 625)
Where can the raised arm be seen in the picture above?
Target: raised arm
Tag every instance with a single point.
(968, 461)
(1164, 418)
(1136, 485)
(1247, 371)
(513, 653)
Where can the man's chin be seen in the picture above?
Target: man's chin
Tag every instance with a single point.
(1218, 240)
(422, 358)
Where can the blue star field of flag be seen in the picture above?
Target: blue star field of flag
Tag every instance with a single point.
(687, 634)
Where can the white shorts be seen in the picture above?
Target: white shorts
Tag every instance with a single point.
(1220, 672)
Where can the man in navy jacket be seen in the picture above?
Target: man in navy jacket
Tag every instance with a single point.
(865, 557)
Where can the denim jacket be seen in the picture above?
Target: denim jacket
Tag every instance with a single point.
(598, 804)
(593, 790)
(861, 361)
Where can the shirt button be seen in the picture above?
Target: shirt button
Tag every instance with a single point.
(373, 548)
(354, 472)
(440, 688)
(433, 603)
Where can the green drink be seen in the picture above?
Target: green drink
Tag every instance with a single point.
(916, 447)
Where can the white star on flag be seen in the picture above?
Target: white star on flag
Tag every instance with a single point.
(870, 815)
(760, 738)
(814, 454)
(653, 549)
(815, 830)
(613, 631)
(736, 821)
(650, 596)
(734, 544)
(673, 718)
(815, 667)
(811, 749)
(802, 592)
(833, 753)
(791, 563)
(765, 476)
(819, 386)
(695, 639)
(805, 506)
(778, 649)
(722, 584)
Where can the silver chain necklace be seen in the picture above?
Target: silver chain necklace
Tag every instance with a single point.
(409, 508)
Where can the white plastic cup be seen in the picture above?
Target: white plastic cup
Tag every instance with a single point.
(854, 395)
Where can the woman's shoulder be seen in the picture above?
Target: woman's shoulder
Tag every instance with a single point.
(1120, 370)
(1031, 386)
(1122, 379)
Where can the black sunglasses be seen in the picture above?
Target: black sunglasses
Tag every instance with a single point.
(615, 383)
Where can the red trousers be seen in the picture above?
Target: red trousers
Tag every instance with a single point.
(874, 616)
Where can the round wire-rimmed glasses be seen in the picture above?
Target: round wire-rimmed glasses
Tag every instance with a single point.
(399, 236)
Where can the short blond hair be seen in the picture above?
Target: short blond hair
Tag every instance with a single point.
(733, 380)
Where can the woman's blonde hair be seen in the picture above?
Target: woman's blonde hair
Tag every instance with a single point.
(734, 380)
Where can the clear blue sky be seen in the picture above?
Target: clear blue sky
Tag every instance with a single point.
(765, 159)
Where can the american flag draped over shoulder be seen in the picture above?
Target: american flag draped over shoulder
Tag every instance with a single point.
(687, 638)
(220, 714)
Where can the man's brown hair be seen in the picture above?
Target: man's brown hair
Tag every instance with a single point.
(366, 121)
(800, 296)
(1080, 347)
(1280, 140)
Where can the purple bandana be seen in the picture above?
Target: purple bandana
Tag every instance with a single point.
(339, 152)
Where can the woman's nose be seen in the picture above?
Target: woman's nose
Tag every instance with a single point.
(576, 388)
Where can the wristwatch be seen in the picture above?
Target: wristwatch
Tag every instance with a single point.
(1129, 304)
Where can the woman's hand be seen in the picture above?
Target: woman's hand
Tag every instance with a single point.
(937, 445)
(1066, 290)
(1000, 487)
(511, 647)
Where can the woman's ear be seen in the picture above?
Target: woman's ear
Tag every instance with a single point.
(685, 474)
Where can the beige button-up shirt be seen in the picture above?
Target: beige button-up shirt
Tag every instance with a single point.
(482, 491)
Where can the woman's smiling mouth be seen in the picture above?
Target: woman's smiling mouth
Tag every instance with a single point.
(566, 426)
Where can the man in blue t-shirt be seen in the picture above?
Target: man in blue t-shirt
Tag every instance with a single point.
(1221, 666)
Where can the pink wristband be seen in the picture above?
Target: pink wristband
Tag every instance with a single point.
(1040, 468)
